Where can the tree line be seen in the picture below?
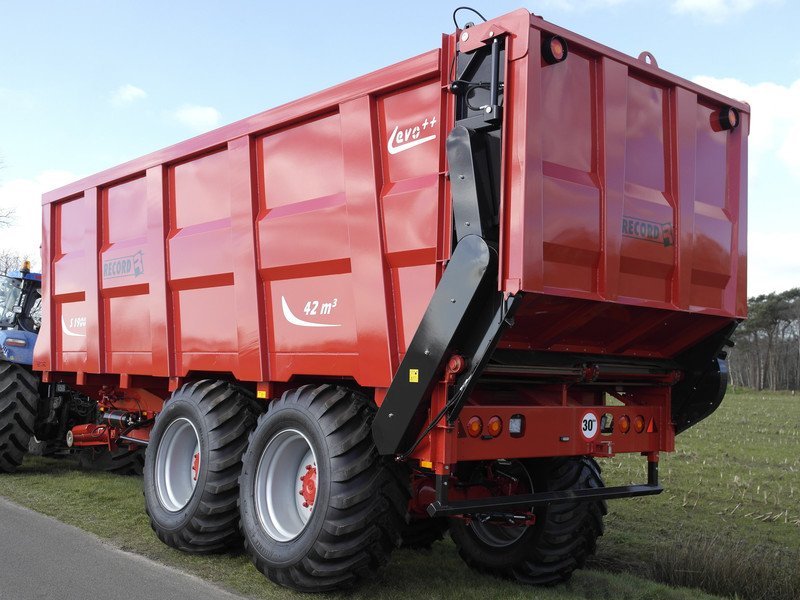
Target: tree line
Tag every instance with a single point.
(766, 355)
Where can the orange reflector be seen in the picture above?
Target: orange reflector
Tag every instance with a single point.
(638, 423)
(651, 426)
(624, 424)
(474, 427)
(495, 426)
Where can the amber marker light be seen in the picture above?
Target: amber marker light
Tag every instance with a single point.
(638, 423)
(624, 424)
(554, 49)
(495, 426)
(474, 427)
(729, 118)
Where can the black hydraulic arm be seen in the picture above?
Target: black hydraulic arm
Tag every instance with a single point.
(467, 312)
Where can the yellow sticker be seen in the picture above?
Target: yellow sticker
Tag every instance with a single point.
(261, 394)
(413, 375)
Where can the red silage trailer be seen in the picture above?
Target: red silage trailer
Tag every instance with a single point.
(431, 296)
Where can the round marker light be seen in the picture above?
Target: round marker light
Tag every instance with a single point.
(638, 423)
(495, 426)
(624, 424)
(729, 118)
(474, 427)
(554, 49)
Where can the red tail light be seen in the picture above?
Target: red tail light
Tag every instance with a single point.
(474, 427)
(495, 426)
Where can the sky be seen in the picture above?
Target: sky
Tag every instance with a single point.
(86, 85)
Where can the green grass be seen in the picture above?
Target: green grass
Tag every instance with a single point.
(728, 522)
(729, 519)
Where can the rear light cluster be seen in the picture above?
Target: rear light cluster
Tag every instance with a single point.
(639, 424)
(494, 427)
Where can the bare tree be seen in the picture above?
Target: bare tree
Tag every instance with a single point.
(10, 260)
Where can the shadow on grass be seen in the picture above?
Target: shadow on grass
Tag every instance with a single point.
(112, 508)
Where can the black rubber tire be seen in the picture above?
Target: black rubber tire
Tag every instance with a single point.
(563, 536)
(19, 398)
(360, 503)
(223, 416)
(421, 534)
(122, 460)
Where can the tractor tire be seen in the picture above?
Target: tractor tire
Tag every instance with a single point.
(19, 398)
(321, 510)
(192, 466)
(547, 552)
(120, 461)
(420, 534)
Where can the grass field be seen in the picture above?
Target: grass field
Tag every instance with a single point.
(728, 522)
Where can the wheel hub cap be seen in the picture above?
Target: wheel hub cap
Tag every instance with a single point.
(177, 464)
(286, 485)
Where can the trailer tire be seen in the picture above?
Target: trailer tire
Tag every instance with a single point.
(120, 461)
(559, 542)
(19, 398)
(192, 466)
(321, 510)
(421, 534)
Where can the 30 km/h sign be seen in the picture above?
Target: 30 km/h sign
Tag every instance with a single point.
(589, 425)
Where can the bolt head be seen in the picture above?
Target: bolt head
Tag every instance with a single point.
(464, 36)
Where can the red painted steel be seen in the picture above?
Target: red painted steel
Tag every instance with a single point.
(308, 240)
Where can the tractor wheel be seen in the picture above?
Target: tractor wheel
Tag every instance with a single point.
(122, 460)
(420, 534)
(563, 536)
(19, 397)
(321, 510)
(192, 466)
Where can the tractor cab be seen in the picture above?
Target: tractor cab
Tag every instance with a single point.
(20, 314)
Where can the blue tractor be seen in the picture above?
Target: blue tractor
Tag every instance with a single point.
(35, 417)
(20, 319)
(20, 314)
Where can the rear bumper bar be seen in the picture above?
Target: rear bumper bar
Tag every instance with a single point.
(442, 508)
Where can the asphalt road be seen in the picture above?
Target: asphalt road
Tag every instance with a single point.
(44, 558)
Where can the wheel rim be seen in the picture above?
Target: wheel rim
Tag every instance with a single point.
(177, 464)
(500, 536)
(286, 485)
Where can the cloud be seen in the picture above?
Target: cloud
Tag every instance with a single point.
(775, 125)
(772, 266)
(127, 94)
(197, 118)
(716, 10)
(774, 174)
(24, 197)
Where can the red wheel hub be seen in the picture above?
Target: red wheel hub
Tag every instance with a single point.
(309, 486)
(196, 465)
